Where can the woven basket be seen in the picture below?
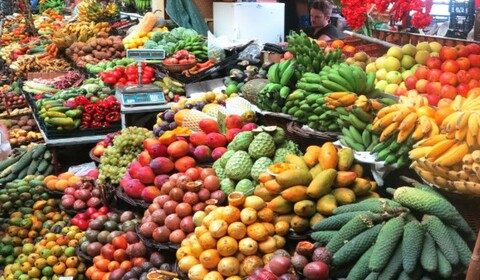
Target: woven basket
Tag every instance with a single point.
(93, 157)
(273, 119)
(140, 205)
(176, 68)
(305, 137)
(70, 212)
(154, 245)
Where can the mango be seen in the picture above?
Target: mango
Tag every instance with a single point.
(326, 204)
(299, 224)
(280, 205)
(311, 155)
(273, 186)
(284, 217)
(345, 178)
(295, 193)
(328, 156)
(344, 196)
(315, 170)
(374, 186)
(367, 196)
(298, 161)
(357, 168)
(317, 217)
(293, 177)
(304, 208)
(322, 183)
(262, 192)
(345, 159)
(361, 186)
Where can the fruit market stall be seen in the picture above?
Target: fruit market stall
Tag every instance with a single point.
(260, 174)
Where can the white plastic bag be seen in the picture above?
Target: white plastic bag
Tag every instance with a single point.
(5, 147)
(216, 53)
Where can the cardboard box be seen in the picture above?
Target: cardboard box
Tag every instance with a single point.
(41, 75)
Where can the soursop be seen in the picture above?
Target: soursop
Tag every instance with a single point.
(224, 158)
(219, 171)
(279, 136)
(245, 186)
(280, 155)
(227, 185)
(260, 166)
(291, 147)
(242, 141)
(238, 166)
(262, 146)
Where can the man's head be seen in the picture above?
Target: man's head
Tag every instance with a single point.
(320, 13)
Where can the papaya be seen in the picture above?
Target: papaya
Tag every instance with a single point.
(315, 170)
(299, 224)
(298, 161)
(295, 193)
(304, 208)
(311, 155)
(293, 177)
(322, 183)
(317, 217)
(361, 186)
(273, 186)
(264, 177)
(280, 205)
(345, 159)
(326, 204)
(367, 196)
(344, 178)
(344, 196)
(262, 192)
(357, 168)
(285, 217)
(328, 156)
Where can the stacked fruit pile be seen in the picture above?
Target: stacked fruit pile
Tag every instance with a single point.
(450, 159)
(232, 240)
(319, 182)
(248, 155)
(415, 234)
(35, 160)
(80, 193)
(22, 193)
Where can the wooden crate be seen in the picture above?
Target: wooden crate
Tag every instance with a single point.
(402, 38)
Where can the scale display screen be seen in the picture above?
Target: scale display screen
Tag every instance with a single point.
(143, 54)
(144, 98)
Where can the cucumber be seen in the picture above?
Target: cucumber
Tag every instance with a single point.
(22, 163)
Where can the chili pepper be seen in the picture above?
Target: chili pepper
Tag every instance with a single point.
(86, 117)
(101, 107)
(90, 108)
(96, 124)
(112, 117)
(98, 117)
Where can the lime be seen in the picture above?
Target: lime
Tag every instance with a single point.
(232, 88)
(47, 271)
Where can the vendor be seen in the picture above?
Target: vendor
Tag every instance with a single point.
(320, 28)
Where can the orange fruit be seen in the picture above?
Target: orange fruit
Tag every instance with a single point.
(348, 49)
(59, 268)
(120, 255)
(126, 265)
(90, 271)
(442, 113)
(51, 185)
(49, 178)
(98, 275)
(337, 44)
(210, 258)
(426, 111)
(113, 265)
(61, 185)
(66, 175)
(73, 180)
(120, 242)
(102, 264)
(321, 43)
(106, 276)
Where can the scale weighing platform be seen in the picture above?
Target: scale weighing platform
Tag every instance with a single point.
(141, 99)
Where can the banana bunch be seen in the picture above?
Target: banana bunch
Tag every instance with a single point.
(171, 87)
(91, 10)
(310, 56)
(142, 4)
(282, 73)
(273, 97)
(195, 45)
(55, 5)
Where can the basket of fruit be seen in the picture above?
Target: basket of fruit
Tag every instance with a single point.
(179, 61)
(305, 136)
(137, 203)
(152, 244)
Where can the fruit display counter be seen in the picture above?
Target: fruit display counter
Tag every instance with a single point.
(262, 178)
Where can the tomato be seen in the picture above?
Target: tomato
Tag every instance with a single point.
(149, 69)
(81, 216)
(117, 74)
(123, 80)
(104, 209)
(147, 75)
(110, 80)
(132, 77)
(90, 211)
(146, 80)
(131, 69)
(119, 68)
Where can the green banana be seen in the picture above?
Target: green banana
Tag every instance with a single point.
(366, 137)
(346, 73)
(356, 122)
(356, 135)
(332, 86)
(362, 115)
(273, 73)
(340, 80)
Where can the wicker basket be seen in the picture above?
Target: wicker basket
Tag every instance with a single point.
(306, 137)
(140, 205)
(93, 157)
(176, 68)
(84, 257)
(273, 119)
(154, 245)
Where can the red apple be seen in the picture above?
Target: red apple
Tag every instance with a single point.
(433, 88)
(463, 76)
(421, 72)
(410, 82)
(474, 72)
(448, 78)
(462, 89)
(448, 91)
(463, 63)
(448, 53)
(433, 75)
(434, 62)
(462, 51)
(473, 83)
(450, 65)
(421, 85)
(474, 60)
(473, 48)
(432, 99)
(400, 92)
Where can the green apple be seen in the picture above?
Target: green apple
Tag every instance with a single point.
(395, 51)
(435, 46)
(381, 85)
(406, 74)
(407, 61)
(380, 62)
(392, 64)
(424, 46)
(393, 77)
(409, 49)
(381, 73)
(422, 56)
(391, 88)
(371, 67)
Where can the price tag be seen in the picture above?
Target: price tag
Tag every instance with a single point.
(65, 278)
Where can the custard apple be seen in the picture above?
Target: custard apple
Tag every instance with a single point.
(279, 136)
(242, 141)
(260, 166)
(291, 147)
(262, 146)
(280, 155)
(219, 170)
(245, 186)
(224, 158)
(238, 166)
(227, 185)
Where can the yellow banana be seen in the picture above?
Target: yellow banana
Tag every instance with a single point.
(462, 121)
(347, 99)
(435, 129)
(419, 152)
(442, 182)
(468, 168)
(476, 156)
(460, 175)
(461, 187)
(476, 168)
(460, 135)
(430, 141)
(467, 159)
(401, 114)
(449, 123)
(339, 94)
(387, 120)
(473, 122)
(404, 133)
(426, 175)
(386, 110)
(457, 103)
(422, 163)
(388, 131)
(417, 133)
(471, 141)
(408, 121)
(439, 149)
(425, 124)
(453, 156)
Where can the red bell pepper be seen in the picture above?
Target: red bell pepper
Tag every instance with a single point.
(90, 108)
(96, 124)
(112, 117)
(86, 117)
(82, 100)
(101, 107)
(98, 117)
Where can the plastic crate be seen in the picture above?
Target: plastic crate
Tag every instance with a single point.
(465, 8)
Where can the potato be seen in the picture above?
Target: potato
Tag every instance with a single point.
(93, 43)
(102, 35)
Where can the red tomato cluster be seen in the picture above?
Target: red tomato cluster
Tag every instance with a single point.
(181, 57)
(82, 220)
(128, 75)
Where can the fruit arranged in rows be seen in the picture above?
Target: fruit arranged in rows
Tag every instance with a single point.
(248, 155)
(125, 149)
(21, 136)
(324, 178)
(416, 233)
(79, 193)
(35, 160)
(106, 142)
(170, 218)
(22, 193)
(231, 240)
(108, 66)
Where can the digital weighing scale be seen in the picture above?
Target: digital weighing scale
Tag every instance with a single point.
(141, 95)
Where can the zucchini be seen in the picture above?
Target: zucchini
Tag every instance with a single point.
(9, 161)
(49, 170)
(22, 173)
(39, 150)
(23, 162)
(47, 155)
